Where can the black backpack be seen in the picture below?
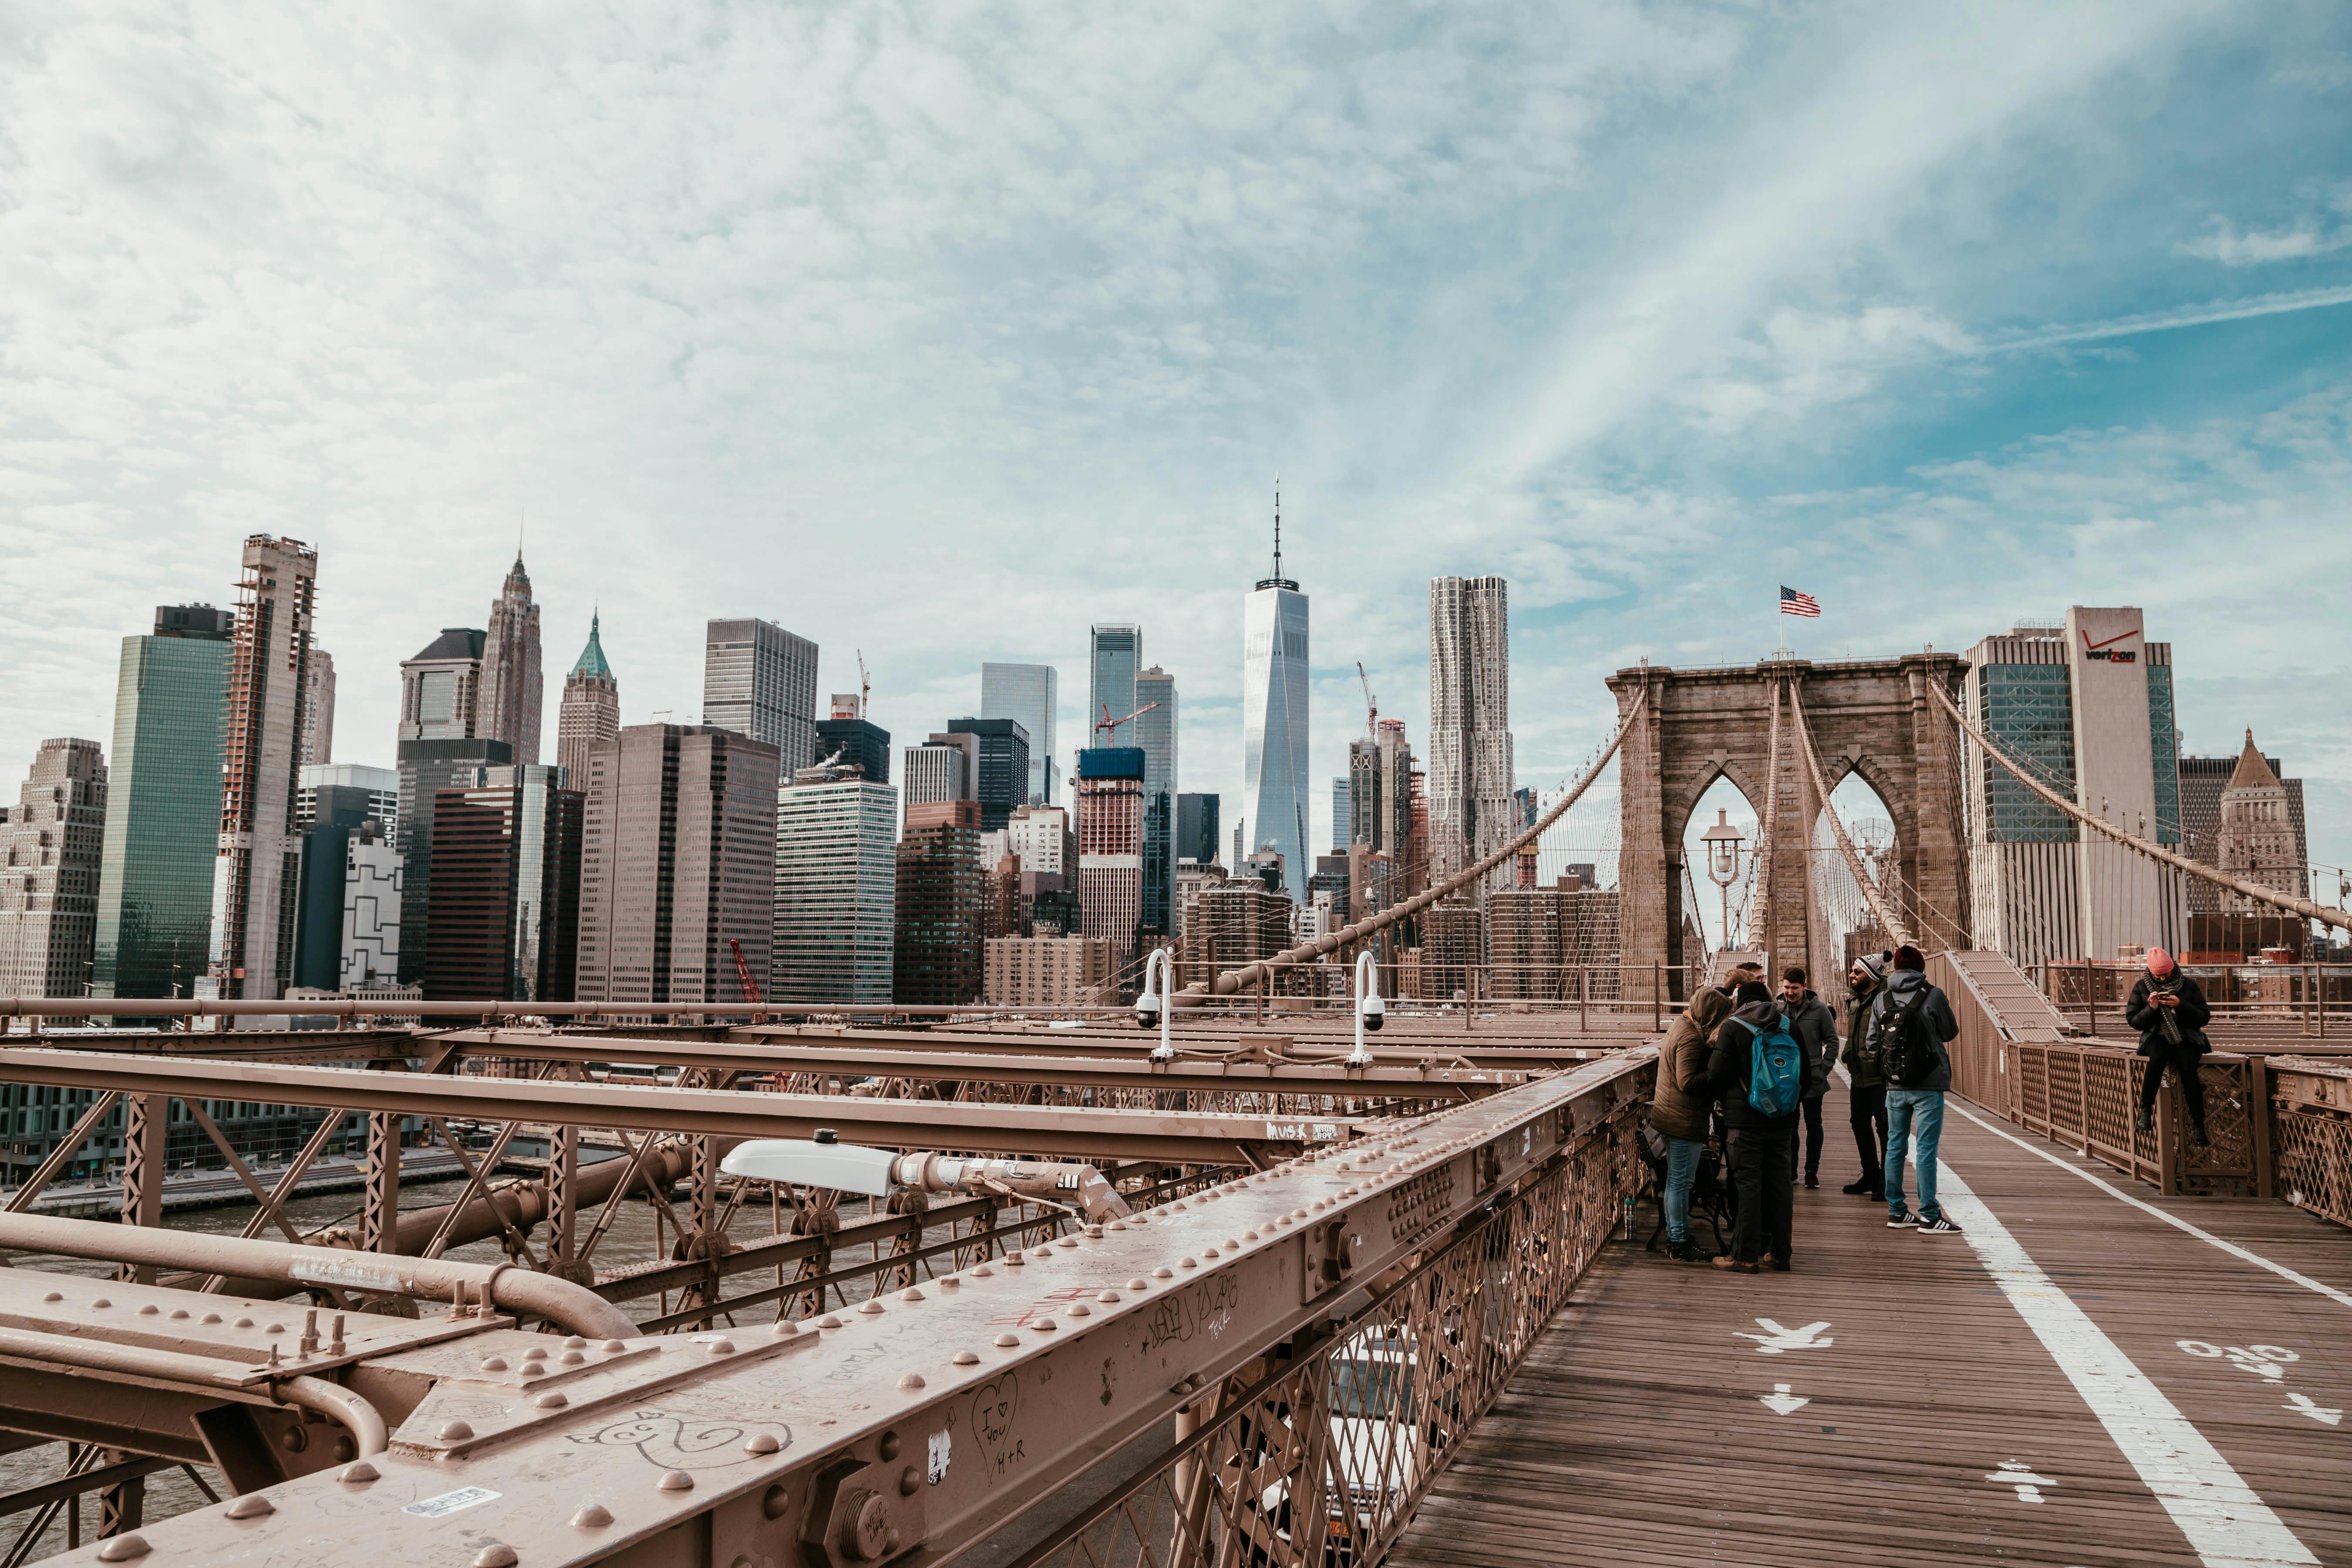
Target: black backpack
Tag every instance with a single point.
(1898, 1037)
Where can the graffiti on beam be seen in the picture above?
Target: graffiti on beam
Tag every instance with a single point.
(1206, 1309)
(674, 1442)
(994, 1404)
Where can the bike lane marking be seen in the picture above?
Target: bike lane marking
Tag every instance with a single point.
(2226, 1523)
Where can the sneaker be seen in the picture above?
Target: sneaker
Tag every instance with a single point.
(1735, 1266)
(1939, 1226)
(2145, 1123)
(1856, 1188)
(1684, 1251)
(1902, 1222)
(1811, 1180)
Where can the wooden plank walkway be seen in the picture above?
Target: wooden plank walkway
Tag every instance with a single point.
(1637, 1433)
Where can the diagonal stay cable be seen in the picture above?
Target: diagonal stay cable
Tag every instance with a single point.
(2287, 902)
(1892, 927)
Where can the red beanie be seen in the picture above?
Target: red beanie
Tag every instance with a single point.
(2159, 963)
(1909, 957)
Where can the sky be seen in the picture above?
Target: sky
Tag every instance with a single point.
(940, 331)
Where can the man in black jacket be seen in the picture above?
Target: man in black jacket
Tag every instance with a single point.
(1916, 1106)
(1763, 1149)
(1815, 1026)
(2171, 1012)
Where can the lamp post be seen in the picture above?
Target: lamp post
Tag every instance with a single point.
(1722, 843)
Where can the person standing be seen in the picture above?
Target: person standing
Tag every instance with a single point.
(1815, 1026)
(1910, 1022)
(1866, 1091)
(2171, 1012)
(1762, 1139)
(1680, 1108)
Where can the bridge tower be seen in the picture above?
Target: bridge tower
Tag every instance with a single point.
(1874, 717)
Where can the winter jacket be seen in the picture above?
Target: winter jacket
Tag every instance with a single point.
(1727, 1067)
(1815, 1027)
(2189, 1018)
(1681, 1104)
(1867, 1071)
(1936, 1015)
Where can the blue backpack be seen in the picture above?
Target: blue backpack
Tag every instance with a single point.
(1776, 1072)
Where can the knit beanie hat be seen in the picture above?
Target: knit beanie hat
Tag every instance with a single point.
(1909, 957)
(1876, 963)
(2159, 963)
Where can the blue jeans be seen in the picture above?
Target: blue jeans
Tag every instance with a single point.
(1910, 1110)
(1682, 1164)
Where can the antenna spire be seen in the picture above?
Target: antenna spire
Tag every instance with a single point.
(1277, 525)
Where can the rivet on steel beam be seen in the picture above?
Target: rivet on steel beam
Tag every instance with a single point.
(676, 1482)
(1163, 1274)
(1138, 1285)
(869, 1307)
(494, 1364)
(359, 1472)
(950, 1282)
(123, 1548)
(1015, 1260)
(275, 1328)
(1067, 1241)
(762, 1442)
(982, 1272)
(720, 1347)
(595, 1516)
(1233, 1244)
(59, 1296)
(1193, 1262)
(496, 1555)
(1210, 1252)
(612, 1347)
(252, 1505)
(912, 1380)
(1118, 1224)
(149, 1310)
(178, 1313)
(784, 1330)
(1006, 1342)
(1094, 1233)
(455, 1431)
(969, 1358)
(572, 1358)
(828, 1322)
(102, 1302)
(575, 1343)
(1078, 1310)
(1282, 1219)
(1106, 1296)
(910, 1294)
(210, 1317)
(553, 1399)
(1044, 1325)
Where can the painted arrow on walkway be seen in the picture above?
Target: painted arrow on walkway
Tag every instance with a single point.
(2301, 1403)
(1780, 1401)
(1776, 1339)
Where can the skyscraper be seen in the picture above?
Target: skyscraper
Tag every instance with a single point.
(1342, 815)
(319, 716)
(1110, 844)
(506, 888)
(1114, 655)
(428, 769)
(1273, 716)
(835, 889)
(256, 880)
(1028, 693)
(1156, 732)
(589, 715)
(1380, 791)
(2259, 841)
(514, 695)
(677, 856)
(943, 901)
(52, 846)
(852, 737)
(1471, 812)
(946, 767)
(1196, 828)
(1001, 779)
(163, 806)
(350, 929)
(440, 687)
(380, 786)
(759, 679)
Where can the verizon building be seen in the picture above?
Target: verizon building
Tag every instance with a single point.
(2087, 706)
(677, 856)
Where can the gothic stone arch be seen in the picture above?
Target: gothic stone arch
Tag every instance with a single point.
(1874, 717)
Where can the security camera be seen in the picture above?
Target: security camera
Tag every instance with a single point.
(1147, 1011)
(1375, 1011)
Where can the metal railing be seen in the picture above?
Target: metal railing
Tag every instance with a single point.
(1316, 1454)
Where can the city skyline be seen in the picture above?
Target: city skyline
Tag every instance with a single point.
(1646, 365)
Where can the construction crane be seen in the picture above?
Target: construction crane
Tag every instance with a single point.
(865, 687)
(1112, 724)
(1372, 705)
(743, 973)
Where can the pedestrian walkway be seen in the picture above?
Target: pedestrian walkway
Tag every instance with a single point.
(2076, 1381)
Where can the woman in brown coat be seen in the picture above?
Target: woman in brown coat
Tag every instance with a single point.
(1680, 1106)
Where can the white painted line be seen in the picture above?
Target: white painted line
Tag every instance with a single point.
(2231, 1247)
(2228, 1526)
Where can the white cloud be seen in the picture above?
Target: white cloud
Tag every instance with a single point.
(2255, 247)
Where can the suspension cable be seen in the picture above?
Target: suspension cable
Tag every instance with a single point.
(1769, 927)
(2287, 902)
(1879, 908)
(1230, 982)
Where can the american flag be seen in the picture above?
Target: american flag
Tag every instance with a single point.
(1795, 604)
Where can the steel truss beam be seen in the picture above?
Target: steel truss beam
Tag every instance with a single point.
(1176, 1137)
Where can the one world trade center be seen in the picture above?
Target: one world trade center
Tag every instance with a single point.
(1274, 719)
